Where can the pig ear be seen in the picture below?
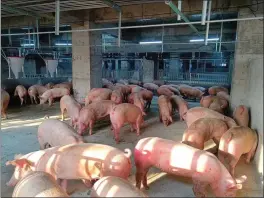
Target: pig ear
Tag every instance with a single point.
(21, 163)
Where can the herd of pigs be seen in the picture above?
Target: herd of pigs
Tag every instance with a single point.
(64, 155)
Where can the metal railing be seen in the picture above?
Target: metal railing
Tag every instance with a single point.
(119, 74)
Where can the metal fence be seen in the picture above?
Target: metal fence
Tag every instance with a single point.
(119, 74)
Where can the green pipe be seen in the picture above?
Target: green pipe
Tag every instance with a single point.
(177, 11)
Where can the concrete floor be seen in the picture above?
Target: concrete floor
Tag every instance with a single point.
(19, 135)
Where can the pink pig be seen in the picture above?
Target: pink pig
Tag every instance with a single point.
(195, 113)
(53, 132)
(117, 96)
(147, 96)
(126, 113)
(215, 89)
(22, 93)
(241, 115)
(179, 103)
(165, 110)
(36, 90)
(97, 94)
(164, 91)
(90, 114)
(203, 130)
(151, 86)
(84, 161)
(183, 160)
(72, 107)
(50, 94)
(236, 142)
(5, 98)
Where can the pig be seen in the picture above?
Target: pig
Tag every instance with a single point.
(224, 95)
(125, 89)
(139, 102)
(90, 114)
(206, 101)
(97, 94)
(215, 89)
(38, 184)
(195, 113)
(190, 92)
(183, 160)
(202, 89)
(174, 86)
(63, 85)
(126, 113)
(135, 82)
(151, 86)
(52, 132)
(49, 85)
(106, 83)
(5, 98)
(22, 93)
(104, 188)
(36, 90)
(136, 89)
(165, 110)
(84, 161)
(235, 142)
(179, 103)
(164, 91)
(159, 82)
(117, 96)
(50, 94)
(202, 130)
(241, 115)
(123, 81)
(173, 89)
(72, 107)
(147, 96)
(219, 105)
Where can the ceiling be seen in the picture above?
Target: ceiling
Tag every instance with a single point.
(47, 6)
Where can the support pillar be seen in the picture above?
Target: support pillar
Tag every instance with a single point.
(86, 61)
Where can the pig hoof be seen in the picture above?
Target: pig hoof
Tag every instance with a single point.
(146, 187)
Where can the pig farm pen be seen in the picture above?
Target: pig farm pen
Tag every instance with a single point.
(19, 135)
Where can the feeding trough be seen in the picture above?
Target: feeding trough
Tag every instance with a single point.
(51, 65)
(16, 64)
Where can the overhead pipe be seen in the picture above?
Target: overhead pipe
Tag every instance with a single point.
(208, 24)
(119, 29)
(57, 17)
(205, 2)
(112, 5)
(175, 9)
(142, 26)
(179, 7)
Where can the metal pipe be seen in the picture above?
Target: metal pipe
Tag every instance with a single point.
(221, 34)
(179, 7)
(28, 35)
(208, 24)
(113, 5)
(142, 26)
(162, 38)
(57, 17)
(175, 9)
(119, 29)
(204, 12)
(37, 29)
(9, 36)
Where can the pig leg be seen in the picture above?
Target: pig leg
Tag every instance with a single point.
(232, 165)
(62, 113)
(133, 127)
(87, 183)
(50, 101)
(21, 100)
(138, 124)
(31, 99)
(160, 118)
(35, 99)
(91, 123)
(251, 153)
(64, 184)
(199, 188)
(116, 133)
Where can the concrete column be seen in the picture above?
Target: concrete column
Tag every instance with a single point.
(86, 61)
(148, 70)
(247, 79)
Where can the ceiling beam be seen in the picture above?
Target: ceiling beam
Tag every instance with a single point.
(25, 12)
(113, 5)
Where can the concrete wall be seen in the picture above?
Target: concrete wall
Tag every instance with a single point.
(247, 81)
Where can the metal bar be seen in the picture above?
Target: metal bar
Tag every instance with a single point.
(37, 29)
(142, 26)
(57, 17)
(24, 12)
(204, 12)
(9, 37)
(221, 34)
(28, 35)
(112, 5)
(175, 9)
(119, 29)
(162, 38)
(49, 41)
(208, 24)
(179, 7)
